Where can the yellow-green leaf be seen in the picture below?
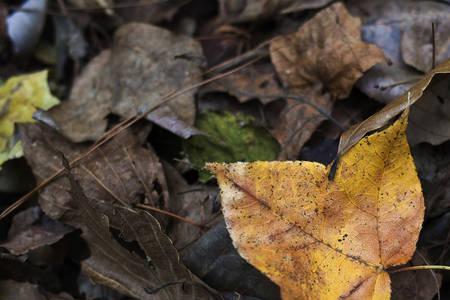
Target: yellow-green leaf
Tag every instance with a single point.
(328, 239)
(20, 97)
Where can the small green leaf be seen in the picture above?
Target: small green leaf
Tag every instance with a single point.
(229, 138)
(20, 97)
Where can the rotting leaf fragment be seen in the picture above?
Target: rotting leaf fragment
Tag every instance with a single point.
(328, 240)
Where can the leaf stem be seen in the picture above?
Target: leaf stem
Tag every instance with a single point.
(425, 267)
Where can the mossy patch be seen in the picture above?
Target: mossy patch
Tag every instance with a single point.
(229, 138)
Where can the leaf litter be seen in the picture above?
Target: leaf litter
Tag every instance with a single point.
(136, 197)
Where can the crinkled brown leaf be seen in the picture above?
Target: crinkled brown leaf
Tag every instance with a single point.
(321, 61)
(145, 64)
(122, 172)
(243, 10)
(356, 132)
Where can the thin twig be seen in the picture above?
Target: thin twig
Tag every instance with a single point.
(416, 268)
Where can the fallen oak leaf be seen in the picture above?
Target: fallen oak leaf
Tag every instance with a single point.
(321, 239)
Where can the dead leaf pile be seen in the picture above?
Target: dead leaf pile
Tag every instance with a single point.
(309, 117)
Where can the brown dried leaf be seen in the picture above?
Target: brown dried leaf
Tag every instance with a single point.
(244, 11)
(122, 172)
(321, 61)
(112, 265)
(145, 64)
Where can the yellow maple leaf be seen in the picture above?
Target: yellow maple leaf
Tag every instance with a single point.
(20, 97)
(322, 239)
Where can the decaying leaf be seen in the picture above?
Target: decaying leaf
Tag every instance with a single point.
(122, 172)
(321, 61)
(20, 97)
(145, 64)
(322, 239)
(161, 277)
(229, 138)
(243, 10)
(379, 119)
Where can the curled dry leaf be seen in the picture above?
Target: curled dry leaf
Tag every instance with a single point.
(244, 11)
(322, 239)
(382, 117)
(321, 61)
(145, 64)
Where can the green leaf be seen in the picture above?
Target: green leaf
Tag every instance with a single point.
(20, 97)
(230, 138)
